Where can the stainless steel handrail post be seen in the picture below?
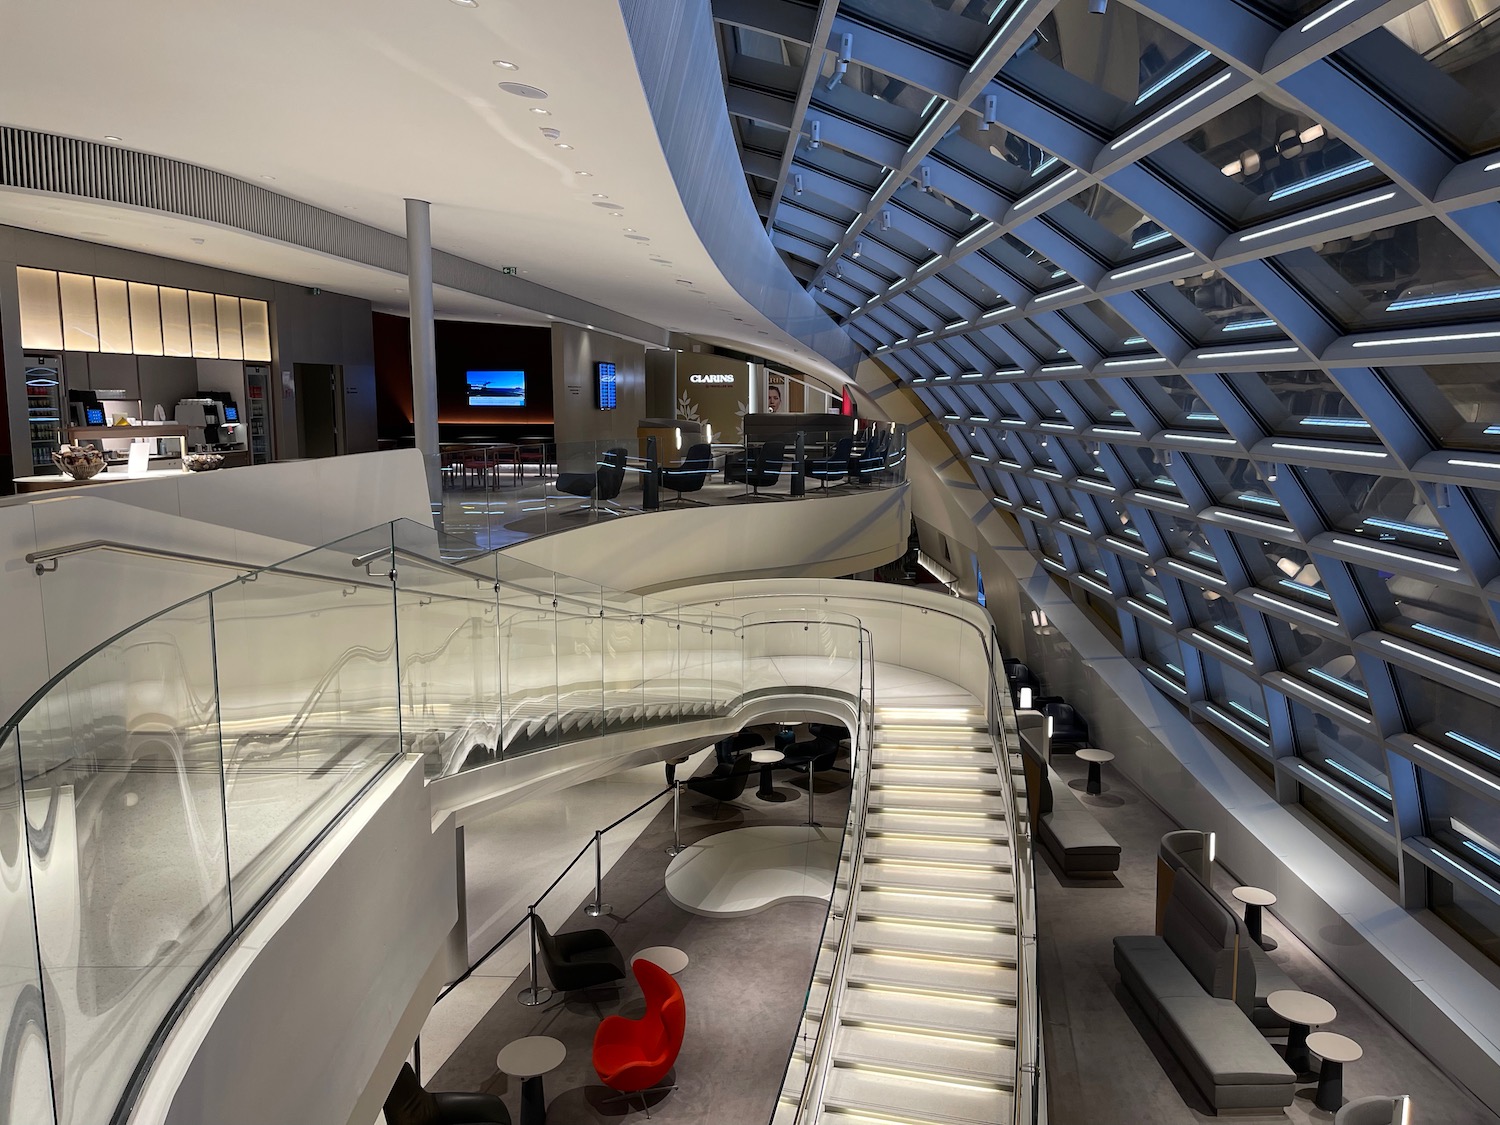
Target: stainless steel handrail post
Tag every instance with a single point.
(598, 906)
(536, 994)
(676, 848)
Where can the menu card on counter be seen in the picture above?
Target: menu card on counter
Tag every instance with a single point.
(140, 458)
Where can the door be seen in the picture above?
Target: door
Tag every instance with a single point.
(317, 408)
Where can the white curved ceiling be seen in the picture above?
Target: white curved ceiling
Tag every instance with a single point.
(353, 106)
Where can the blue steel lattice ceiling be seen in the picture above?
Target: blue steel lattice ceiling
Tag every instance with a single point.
(1208, 295)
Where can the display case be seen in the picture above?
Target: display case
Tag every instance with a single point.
(44, 408)
(258, 390)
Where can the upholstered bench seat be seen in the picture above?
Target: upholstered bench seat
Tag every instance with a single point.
(1224, 1053)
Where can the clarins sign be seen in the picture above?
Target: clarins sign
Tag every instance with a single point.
(710, 378)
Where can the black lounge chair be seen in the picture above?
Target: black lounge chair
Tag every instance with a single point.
(578, 959)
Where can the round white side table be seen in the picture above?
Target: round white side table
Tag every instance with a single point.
(668, 957)
(1254, 898)
(1335, 1051)
(1095, 758)
(528, 1059)
(768, 760)
(1302, 1011)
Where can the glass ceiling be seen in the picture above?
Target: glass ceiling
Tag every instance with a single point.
(1227, 349)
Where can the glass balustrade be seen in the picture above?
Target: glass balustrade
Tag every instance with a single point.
(159, 789)
(496, 495)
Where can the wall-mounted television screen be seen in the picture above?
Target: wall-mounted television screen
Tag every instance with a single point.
(607, 385)
(497, 388)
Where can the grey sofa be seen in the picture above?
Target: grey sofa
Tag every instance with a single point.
(1079, 843)
(1187, 849)
(1196, 983)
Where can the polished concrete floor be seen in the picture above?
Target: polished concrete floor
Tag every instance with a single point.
(1107, 1064)
(745, 973)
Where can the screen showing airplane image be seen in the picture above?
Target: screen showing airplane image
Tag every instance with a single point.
(497, 388)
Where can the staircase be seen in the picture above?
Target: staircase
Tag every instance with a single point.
(926, 1024)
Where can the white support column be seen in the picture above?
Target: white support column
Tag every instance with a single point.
(423, 345)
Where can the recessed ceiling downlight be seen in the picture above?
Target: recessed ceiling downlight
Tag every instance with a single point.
(521, 90)
(506, 64)
(639, 237)
(467, 3)
(610, 206)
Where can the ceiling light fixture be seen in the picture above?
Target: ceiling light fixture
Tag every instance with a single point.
(467, 3)
(506, 64)
(561, 144)
(521, 90)
(583, 173)
(543, 112)
(112, 140)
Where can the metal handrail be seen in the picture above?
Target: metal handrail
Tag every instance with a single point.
(816, 1078)
(56, 553)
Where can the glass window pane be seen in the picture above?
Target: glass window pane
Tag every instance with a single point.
(1466, 824)
(1412, 274)
(1175, 402)
(1376, 845)
(1321, 662)
(1437, 60)
(1110, 69)
(1185, 539)
(1236, 693)
(1161, 650)
(1467, 911)
(1352, 761)
(1214, 613)
(1459, 403)
(1237, 484)
(80, 312)
(1301, 403)
(1208, 307)
(1450, 718)
(41, 312)
(1390, 509)
(1272, 157)
(1436, 616)
(1288, 571)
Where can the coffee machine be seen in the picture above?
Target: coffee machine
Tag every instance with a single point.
(204, 419)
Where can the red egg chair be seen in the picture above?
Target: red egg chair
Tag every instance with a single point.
(632, 1056)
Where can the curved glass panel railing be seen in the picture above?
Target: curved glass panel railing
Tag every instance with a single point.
(159, 789)
(498, 494)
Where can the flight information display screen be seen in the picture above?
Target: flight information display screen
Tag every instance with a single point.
(605, 376)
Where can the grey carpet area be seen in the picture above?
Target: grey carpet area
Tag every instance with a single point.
(745, 988)
(1107, 1064)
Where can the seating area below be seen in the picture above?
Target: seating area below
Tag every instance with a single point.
(595, 964)
(1148, 1035)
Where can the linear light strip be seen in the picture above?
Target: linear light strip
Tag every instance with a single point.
(1028, 200)
(1172, 109)
(1173, 260)
(1444, 338)
(1318, 218)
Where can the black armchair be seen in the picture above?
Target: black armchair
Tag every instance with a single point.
(578, 959)
(766, 469)
(871, 460)
(410, 1104)
(833, 467)
(813, 756)
(1018, 676)
(689, 476)
(1069, 730)
(726, 783)
(600, 486)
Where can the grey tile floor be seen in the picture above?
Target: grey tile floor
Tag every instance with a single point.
(1106, 1064)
